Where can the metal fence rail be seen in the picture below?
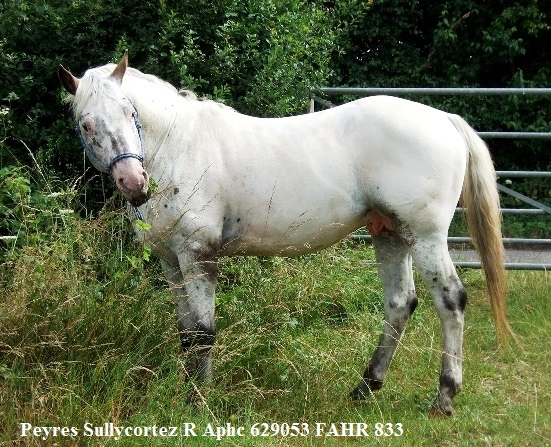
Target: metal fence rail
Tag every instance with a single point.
(538, 208)
(476, 91)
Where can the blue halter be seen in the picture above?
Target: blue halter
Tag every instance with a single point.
(107, 167)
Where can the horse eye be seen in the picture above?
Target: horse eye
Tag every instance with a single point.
(86, 127)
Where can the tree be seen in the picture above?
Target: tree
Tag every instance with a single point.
(456, 43)
(262, 56)
(258, 56)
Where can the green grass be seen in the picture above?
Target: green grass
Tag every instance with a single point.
(88, 334)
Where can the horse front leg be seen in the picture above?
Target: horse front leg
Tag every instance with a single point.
(193, 282)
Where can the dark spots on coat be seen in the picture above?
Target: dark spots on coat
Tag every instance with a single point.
(412, 303)
(434, 279)
(462, 299)
(455, 302)
(207, 258)
(176, 191)
(449, 385)
(231, 229)
(117, 144)
(448, 302)
(199, 335)
(210, 269)
(166, 206)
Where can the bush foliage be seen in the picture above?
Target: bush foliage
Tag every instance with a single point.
(262, 57)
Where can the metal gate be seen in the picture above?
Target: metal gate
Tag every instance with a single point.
(537, 207)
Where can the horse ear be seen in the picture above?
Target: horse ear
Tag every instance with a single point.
(120, 69)
(69, 82)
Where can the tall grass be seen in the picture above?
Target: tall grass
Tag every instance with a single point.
(88, 334)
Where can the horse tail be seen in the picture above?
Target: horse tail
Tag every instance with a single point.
(480, 199)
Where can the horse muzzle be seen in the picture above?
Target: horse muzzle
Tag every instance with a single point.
(132, 180)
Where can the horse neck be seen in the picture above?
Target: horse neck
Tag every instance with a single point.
(162, 119)
(168, 118)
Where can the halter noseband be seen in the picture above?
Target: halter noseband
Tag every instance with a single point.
(107, 167)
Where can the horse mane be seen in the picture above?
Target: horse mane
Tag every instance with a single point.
(137, 86)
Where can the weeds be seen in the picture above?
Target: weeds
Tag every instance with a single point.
(88, 335)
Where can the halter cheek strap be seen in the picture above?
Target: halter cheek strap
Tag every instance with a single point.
(107, 166)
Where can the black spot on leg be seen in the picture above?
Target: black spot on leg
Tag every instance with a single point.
(449, 303)
(462, 302)
(456, 302)
(197, 336)
(412, 302)
(207, 258)
(210, 269)
(449, 385)
(176, 191)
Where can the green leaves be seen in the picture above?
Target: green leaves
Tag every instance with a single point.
(143, 226)
(457, 43)
(261, 57)
(28, 215)
(138, 262)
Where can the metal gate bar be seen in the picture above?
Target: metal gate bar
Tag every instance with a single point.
(476, 91)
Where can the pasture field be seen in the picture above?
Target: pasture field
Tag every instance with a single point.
(88, 338)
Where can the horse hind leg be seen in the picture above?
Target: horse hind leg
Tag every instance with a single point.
(395, 271)
(450, 298)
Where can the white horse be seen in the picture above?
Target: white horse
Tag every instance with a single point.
(230, 184)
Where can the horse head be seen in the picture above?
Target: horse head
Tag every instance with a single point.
(109, 128)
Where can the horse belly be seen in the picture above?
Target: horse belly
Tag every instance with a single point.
(281, 235)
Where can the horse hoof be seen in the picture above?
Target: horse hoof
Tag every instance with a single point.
(441, 409)
(365, 389)
(359, 393)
